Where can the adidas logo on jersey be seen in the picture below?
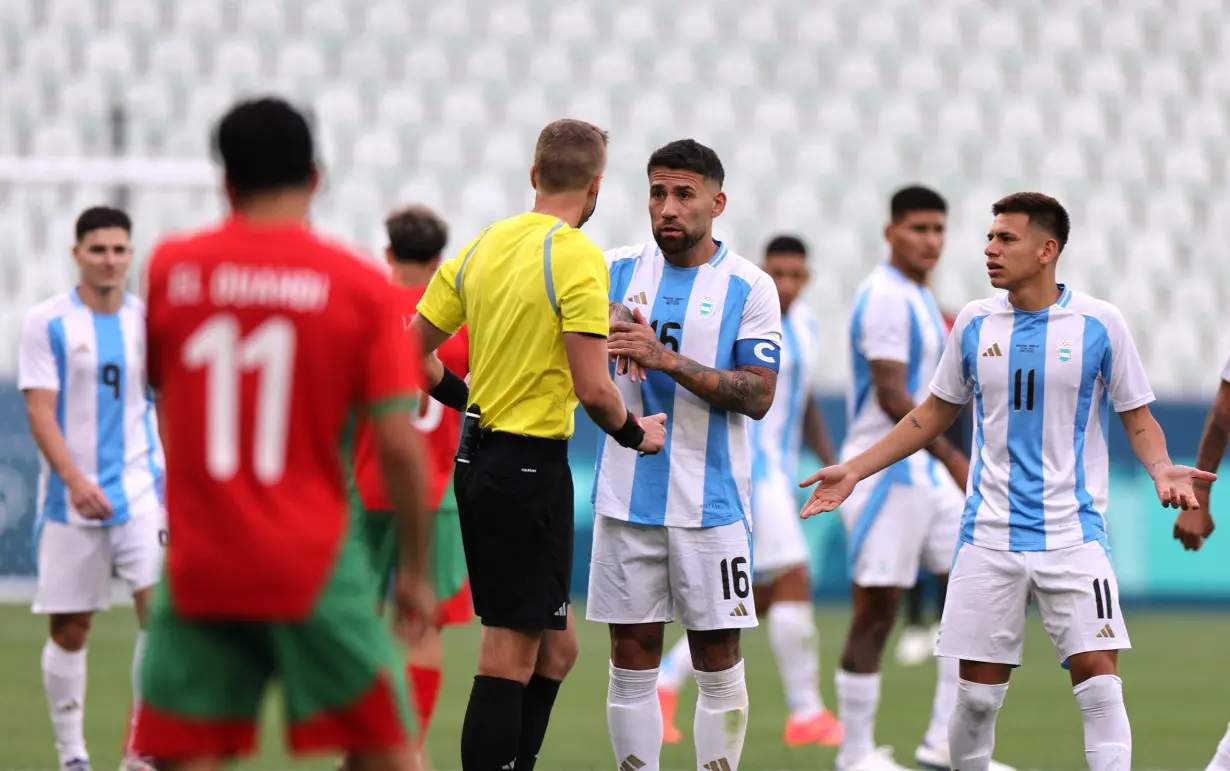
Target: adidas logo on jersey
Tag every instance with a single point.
(992, 351)
(631, 763)
(639, 299)
(739, 611)
(1106, 632)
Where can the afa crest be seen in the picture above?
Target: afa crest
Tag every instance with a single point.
(1065, 352)
(706, 306)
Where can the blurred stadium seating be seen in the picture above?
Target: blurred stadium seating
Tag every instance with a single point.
(818, 110)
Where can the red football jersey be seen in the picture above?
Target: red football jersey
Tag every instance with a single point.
(440, 426)
(264, 343)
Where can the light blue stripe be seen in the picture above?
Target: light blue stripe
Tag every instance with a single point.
(602, 435)
(1065, 296)
(862, 368)
(793, 400)
(1094, 360)
(621, 276)
(751, 554)
(465, 260)
(868, 516)
(719, 256)
(651, 478)
(970, 344)
(109, 338)
(55, 501)
(1026, 428)
(546, 267)
(722, 503)
(151, 438)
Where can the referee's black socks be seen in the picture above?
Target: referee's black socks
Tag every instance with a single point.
(536, 707)
(491, 734)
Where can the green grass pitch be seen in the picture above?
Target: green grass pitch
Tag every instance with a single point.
(1174, 681)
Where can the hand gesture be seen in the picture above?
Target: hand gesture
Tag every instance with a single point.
(620, 314)
(1194, 525)
(1174, 486)
(833, 485)
(636, 341)
(89, 500)
(654, 427)
(416, 607)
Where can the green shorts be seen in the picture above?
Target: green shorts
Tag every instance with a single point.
(203, 682)
(448, 558)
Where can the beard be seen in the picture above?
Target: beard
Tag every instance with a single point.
(588, 212)
(676, 244)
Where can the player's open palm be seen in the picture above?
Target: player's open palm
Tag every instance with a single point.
(89, 500)
(654, 427)
(833, 485)
(1175, 488)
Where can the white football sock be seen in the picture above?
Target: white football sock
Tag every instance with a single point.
(721, 719)
(64, 683)
(858, 699)
(634, 719)
(947, 675)
(676, 666)
(1221, 760)
(1108, 735)
(138, 652)
(792, 634)
(971, 731)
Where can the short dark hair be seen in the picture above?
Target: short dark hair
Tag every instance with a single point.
(99, 217)
(568, 155)
(785, 244)
(416, 234)
(688, 155)
(265, 144)
(1042, 210)
(915, 198)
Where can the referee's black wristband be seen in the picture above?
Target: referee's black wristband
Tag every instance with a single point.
(630, 434)
(452, 391)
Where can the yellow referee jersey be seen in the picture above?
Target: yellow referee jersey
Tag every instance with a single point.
(520, 285)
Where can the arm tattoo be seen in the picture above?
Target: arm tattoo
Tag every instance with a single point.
(914, 422)
(748, 391)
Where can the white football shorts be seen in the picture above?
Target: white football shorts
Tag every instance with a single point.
(894, 528)
(989, 592)
(76, 564)
(642, 574)
(778, 543)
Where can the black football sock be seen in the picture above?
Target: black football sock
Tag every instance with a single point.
(914, 605)
(536, 708)
(492, 730)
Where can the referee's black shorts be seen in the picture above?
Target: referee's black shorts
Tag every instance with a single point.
(515, 504)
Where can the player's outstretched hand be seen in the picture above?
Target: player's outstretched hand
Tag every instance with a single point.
(89, 500)
(416, 607)
(620, 314)
(1174, 486)
(655, 433)
(833, 485)
(637, 341)
(1194, 525)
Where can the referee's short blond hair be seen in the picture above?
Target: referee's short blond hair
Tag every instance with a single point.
(569, 154)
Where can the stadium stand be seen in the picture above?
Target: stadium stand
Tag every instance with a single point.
(818, 109)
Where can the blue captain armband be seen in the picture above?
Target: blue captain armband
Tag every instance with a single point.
(758, 353)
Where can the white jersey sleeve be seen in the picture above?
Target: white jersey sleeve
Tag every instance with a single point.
(954, 378)
(37, 368)
(1128, 384)
(885, 333)
(759, 340)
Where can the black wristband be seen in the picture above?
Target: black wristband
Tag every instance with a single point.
(452, 391)
(630, 434)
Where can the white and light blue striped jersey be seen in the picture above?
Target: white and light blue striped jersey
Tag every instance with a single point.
(1043, 385)
(894, 319)
(723, 314)
(96, 363)
(778, 436)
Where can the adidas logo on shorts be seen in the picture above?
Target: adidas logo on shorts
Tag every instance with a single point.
(739, 611)
(1106, 632)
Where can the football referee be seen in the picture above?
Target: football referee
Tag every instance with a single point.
(533, 290)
